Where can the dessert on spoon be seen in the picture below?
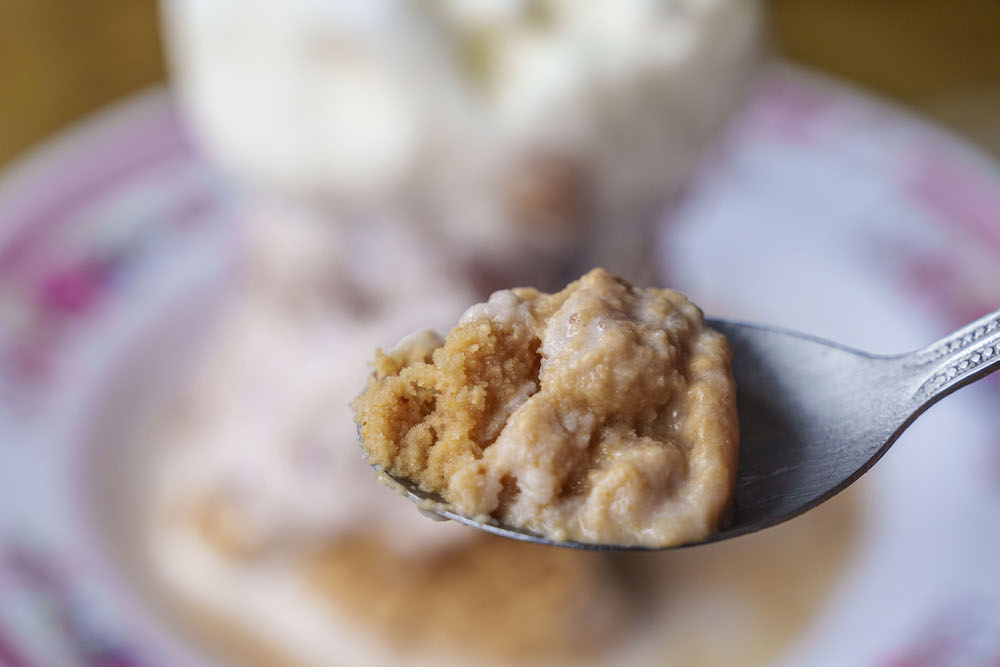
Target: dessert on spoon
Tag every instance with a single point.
(605, 416)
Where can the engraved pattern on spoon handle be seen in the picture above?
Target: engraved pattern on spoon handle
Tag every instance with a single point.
(958, 359)
(952, 344)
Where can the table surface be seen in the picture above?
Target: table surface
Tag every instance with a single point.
(60, 60)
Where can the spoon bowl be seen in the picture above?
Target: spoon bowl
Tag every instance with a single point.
(814, 417)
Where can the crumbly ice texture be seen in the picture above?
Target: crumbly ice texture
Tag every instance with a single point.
(603, 413)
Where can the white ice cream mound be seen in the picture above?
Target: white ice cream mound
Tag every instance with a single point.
(511, 127)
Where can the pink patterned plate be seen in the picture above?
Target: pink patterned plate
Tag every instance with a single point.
(822, 211)
(107, 236)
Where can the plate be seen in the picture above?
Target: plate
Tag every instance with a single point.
(823, 210)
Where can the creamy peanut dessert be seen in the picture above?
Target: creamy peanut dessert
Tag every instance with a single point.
(604, 413)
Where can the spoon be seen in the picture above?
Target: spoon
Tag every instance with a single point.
(814, 416)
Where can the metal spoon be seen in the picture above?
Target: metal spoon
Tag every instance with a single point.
(814, 416)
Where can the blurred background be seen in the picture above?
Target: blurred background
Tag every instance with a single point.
(387, 163)
(60, 60)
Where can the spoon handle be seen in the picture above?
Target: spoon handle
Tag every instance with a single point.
(956, 360)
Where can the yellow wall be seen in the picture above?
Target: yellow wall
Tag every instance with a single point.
(60, 59)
